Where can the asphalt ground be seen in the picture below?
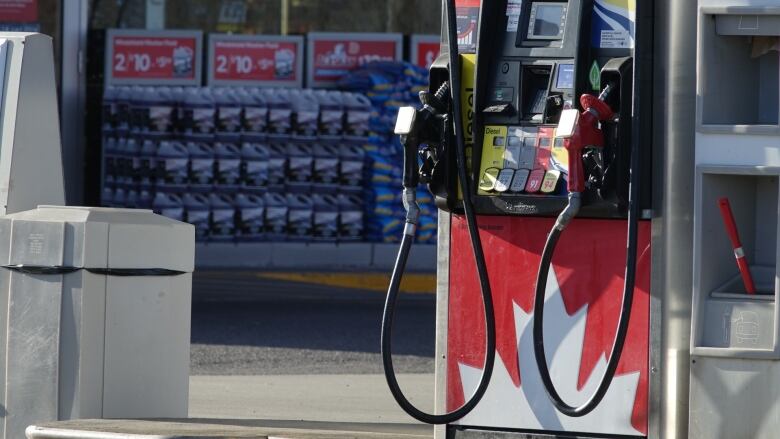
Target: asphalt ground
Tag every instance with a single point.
(246, 323)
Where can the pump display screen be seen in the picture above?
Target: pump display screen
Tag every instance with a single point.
(547, 21)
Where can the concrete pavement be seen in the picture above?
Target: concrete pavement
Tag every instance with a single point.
(272, 407)
(218, 429)
(327, 398)
(281, 357)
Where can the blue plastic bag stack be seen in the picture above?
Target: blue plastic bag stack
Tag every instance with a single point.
(389, 86)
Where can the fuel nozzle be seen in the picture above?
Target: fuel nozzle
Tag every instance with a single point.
(415, 128)
(582, 130)
(408, 129)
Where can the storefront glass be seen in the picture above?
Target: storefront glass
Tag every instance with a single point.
(34, 16)
(204, 112)
(268, 17)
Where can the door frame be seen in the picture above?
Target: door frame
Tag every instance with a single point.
(73, 96)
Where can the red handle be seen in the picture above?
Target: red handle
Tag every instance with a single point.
(576, 181)
(587, 133)
(739, 253)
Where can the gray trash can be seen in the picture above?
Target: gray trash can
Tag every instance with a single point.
(95, 319)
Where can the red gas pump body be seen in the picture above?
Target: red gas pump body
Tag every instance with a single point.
(588, 269)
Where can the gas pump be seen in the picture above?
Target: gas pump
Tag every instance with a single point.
(556, 131)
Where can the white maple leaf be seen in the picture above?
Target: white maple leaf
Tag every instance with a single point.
(528, 407)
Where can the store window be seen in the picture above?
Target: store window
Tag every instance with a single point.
(271, 16)
(246, 117)
(34, 16)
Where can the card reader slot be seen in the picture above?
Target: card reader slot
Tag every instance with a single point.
(535, 85)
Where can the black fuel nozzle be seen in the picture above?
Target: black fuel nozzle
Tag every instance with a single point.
(604, 96)
(437, 101)
(605, 93)
(417, 128)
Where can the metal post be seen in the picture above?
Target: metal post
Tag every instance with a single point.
(674, 108)
(285, 17)
(155, 14)
(73, 97)
(442, 318)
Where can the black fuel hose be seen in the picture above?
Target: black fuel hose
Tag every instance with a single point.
(628, 295)
(479, 258)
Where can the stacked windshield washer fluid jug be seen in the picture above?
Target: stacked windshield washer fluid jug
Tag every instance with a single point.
(241, 164)
(389, 86)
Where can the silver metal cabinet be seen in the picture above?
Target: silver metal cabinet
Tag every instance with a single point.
(735, 336)
(95, 319)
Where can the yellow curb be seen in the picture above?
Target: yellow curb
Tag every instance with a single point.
(415, 283)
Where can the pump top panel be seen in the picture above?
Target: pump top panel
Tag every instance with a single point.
(546, 57)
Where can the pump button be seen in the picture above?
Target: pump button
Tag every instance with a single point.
(550, 182)
(535, 181)
(496, 109)
(489, 179)
(504, 180)
(503, 94)
(520, 180)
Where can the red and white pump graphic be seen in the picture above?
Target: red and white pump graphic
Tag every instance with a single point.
(583, 301)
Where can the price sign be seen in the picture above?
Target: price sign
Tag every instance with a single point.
(331, 56)
(153, 57)
(425, 49)
(261, 60)
(468, 20)
(19, 11)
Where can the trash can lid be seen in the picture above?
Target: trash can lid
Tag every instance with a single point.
(96, 237)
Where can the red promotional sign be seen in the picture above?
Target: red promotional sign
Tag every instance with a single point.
(425, 49)
(427, 54)
(246, 60)
(333, 59)
(332, 56)
(18, 11)
(259, 60)
(468, 19)
(153, 57)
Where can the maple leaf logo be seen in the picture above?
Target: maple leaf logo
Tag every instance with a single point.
(528, 406)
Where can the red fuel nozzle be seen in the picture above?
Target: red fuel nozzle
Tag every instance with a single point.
(587, 133)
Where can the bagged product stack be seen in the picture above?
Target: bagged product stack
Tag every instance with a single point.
(241, 164)
(389, 86)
